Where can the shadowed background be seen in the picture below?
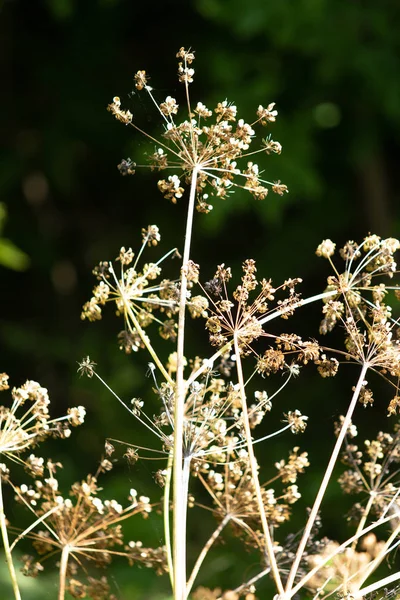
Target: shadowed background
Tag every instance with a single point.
(332, 68)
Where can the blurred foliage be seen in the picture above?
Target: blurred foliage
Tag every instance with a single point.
(332, 68)
(31, 588)
(10, 255)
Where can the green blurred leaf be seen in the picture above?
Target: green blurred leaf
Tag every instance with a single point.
(12, 257)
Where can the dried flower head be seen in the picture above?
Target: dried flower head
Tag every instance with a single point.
(83, 529)
(136, 296)
(349, 291)
(27, 423)
(243, 317)
(211, 151)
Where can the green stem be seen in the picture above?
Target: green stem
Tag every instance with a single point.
(179, 497)
(146, 341)
(6, 543)
(324, 483)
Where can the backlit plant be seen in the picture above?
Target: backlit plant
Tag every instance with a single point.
(210, 406)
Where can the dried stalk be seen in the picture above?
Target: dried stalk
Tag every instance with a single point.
(179, 492)
(325, 481)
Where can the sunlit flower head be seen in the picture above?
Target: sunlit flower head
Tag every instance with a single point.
(211, 145)
(27, 423)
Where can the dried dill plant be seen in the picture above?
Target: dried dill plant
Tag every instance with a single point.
(210, 407)
(24, 425)
(207, 420)
(82, 531)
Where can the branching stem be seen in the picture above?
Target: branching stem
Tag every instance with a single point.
(205, 551)
(281, 311)
(378, 559)
(337, 551)
(376, 586)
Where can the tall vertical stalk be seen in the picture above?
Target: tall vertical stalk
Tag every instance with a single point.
(179, 494)
(325, 481)
(6, 543)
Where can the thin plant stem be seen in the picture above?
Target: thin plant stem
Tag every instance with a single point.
(376, 586)
(254, 472)
(33, 525)
(384, 552)
(325, 480)
(167, 530)
(361, 524)
(337, 551)
(6, 543)
(291, 307)
(206, 364)
(146, 341)
(378, 559)
(271, 317)
(205, 551)
(63, 572)
(247, 584)
(179, 499)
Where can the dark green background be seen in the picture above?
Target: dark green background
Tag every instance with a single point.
(332, 67)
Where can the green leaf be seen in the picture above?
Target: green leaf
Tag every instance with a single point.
(12, 257)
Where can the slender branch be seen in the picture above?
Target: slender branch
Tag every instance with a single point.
(361, 525)
(378, 559)
(326, 479)
(281, 311)
(205, 551)
(179, 498)
(247, 584)
(146, 342)
(254, 472)
(6, 543)
(337, 550)
(33, 525)
(206, 364)
(376, 586)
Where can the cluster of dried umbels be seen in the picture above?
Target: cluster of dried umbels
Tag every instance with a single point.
(207, 420)
(78, 528)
